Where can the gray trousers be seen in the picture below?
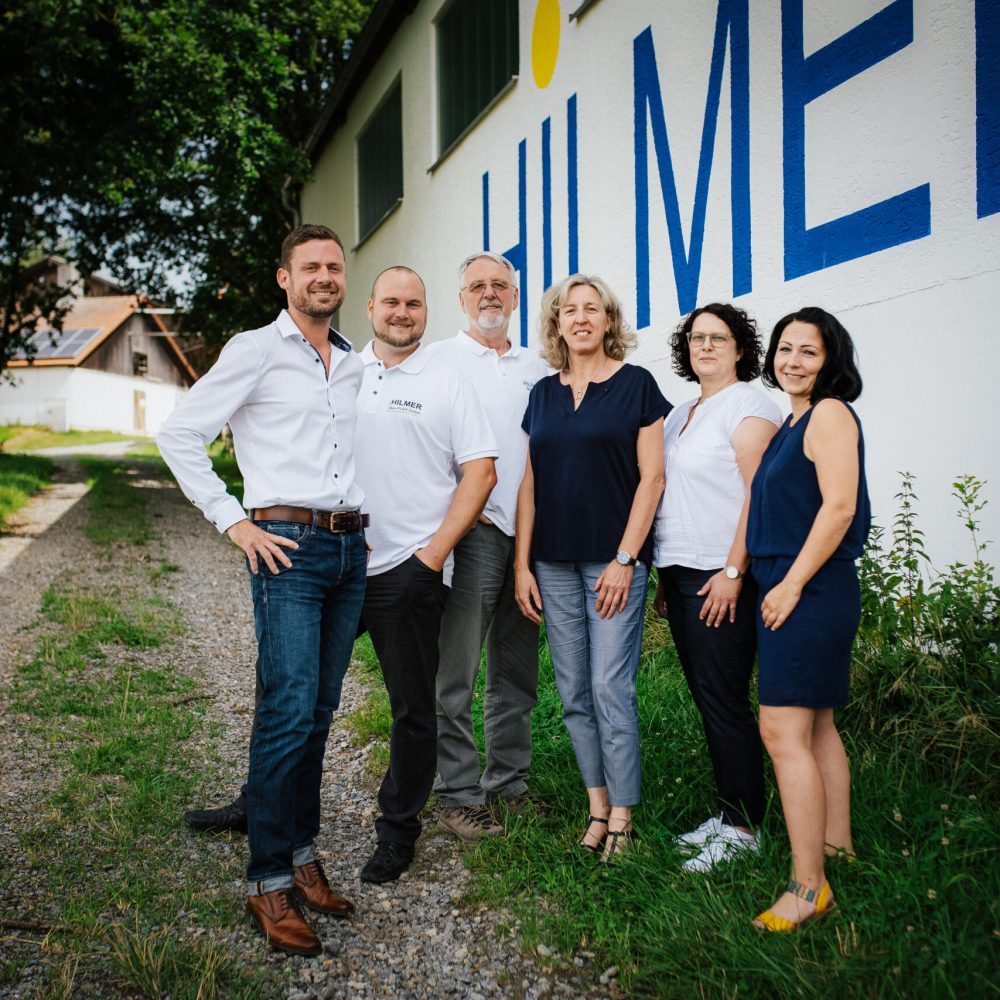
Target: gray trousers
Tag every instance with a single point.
(480, 607)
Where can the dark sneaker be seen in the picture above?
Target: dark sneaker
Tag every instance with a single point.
(469, 823)
(232, 817)
(388, 862)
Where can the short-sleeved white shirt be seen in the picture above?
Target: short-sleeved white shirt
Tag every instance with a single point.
(502, 384)
(418, 421)
(700, 509)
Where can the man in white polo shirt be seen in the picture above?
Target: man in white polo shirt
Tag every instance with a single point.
(289, 391)
(481, 605)
(425, 459)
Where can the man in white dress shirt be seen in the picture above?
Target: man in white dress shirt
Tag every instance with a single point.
(425, 454)
(481, 605)
(289, 392)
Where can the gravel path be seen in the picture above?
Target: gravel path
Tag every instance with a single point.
(414, 938)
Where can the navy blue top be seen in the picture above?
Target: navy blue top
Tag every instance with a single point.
(584, 463)
(785, 497)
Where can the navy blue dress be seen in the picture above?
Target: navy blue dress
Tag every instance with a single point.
(807, 661)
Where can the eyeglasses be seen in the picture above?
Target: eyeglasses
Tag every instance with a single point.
(716, 339)
(479, 287)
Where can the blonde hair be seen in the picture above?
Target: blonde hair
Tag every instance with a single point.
(619, 341)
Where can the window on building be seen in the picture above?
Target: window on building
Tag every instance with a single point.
(380, 162)
(140, 364)
(477, 47)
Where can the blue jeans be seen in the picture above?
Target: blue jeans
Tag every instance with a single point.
(306, 619)
(595, 662)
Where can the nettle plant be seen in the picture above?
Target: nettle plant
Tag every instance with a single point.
(927, 652)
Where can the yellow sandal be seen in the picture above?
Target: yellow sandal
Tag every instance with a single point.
(825, 903)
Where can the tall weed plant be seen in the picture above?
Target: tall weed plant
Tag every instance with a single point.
(926, 657)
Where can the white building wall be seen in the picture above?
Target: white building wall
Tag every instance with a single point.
(82, 399)
(890, 119)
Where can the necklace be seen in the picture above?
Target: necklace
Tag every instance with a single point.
(578, 393)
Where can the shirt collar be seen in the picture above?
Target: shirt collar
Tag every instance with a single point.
(413, 364)
(474, 347)
(288, 328)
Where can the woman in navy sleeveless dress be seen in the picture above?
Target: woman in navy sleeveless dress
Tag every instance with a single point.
(808, 519)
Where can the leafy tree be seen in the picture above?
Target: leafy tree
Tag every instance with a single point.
(161, 140)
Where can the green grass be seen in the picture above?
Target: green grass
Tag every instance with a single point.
(21, 476)
(117, 511)
(31, 437)
(916, 913)
(135, 909)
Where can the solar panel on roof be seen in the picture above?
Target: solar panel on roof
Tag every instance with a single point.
(66, 344)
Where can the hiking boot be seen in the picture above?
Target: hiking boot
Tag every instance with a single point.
(469, 823)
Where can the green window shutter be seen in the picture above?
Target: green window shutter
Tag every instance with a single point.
(477, 48)
(380, 162)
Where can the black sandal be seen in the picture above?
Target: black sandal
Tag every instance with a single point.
(600, 845)
(611, 848)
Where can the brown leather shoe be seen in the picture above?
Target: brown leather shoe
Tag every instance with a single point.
(313, 890)
(278, 919)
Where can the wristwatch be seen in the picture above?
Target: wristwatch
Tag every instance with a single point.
(733, 573)
(624, 559)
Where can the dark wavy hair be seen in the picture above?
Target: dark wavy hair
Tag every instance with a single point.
(741, 326)
(839, 377)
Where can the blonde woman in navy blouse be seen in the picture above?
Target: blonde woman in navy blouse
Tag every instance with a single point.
(591, 486)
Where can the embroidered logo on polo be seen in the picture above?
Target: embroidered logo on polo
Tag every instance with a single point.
(528, 383)
(406, 406)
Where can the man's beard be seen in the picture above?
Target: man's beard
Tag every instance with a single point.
(303, 302)
(491, 320)
(398, 336)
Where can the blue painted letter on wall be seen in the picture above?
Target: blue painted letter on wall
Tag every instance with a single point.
(732, 21)
(896, 220)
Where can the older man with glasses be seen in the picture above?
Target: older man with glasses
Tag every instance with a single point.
(481, 606)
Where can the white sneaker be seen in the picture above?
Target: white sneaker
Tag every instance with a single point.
(726, 844)
(697, 838)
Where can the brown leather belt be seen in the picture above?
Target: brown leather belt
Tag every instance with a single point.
(338, 521)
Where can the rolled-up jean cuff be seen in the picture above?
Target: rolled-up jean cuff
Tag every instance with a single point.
(264, 885)
(303, 855)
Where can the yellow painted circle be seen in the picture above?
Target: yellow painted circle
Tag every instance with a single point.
(545, 42)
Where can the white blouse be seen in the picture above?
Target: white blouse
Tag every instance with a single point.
(700, 509)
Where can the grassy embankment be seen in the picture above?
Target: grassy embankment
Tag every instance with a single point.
(130, 906)
(21, 476)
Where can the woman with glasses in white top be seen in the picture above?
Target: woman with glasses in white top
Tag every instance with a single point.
(712, 447)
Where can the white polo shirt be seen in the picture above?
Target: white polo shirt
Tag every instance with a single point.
(502, 385)
(293, 425)
(418, 421)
